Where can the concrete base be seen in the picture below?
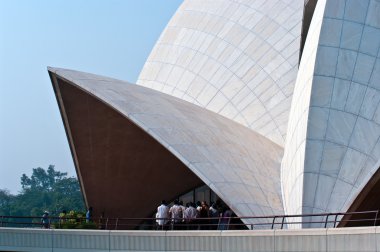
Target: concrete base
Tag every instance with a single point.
(341, 239)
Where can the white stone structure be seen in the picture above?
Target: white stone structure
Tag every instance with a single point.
(233, 106)
(329, 240)
(238, 164)
(333, 147)
(236, 58)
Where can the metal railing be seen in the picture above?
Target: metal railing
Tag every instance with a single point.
(331, 220)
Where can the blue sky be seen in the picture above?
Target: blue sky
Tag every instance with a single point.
(109, 37)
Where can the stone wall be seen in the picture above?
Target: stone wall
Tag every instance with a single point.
(342, 239)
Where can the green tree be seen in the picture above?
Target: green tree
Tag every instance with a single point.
(5, 202)
(44, 190)
(41, 179)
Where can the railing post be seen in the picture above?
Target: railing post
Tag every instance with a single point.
(274, 218)
(117, 221)
(377, 213)
(326, 221)
(107, 223)
(282, 222)
(336, 217)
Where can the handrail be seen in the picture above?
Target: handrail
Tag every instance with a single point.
(268, 222)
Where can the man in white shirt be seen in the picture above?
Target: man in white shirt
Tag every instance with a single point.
(183, 208)
(176, 214)
(190, 216)
(162, 215)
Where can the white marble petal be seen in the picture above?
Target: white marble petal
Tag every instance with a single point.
(233, 47)
(210, 145)
(338, 99)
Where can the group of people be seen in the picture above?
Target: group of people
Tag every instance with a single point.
(193, 216)
(45, 219)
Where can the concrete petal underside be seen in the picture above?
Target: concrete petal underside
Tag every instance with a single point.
(134, 146)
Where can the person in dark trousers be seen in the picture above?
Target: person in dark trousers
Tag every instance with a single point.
(89, 215)
(214, 214)
(225, 219)
(45, 220)
(203, 216)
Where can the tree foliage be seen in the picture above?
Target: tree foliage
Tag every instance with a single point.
(49, 190)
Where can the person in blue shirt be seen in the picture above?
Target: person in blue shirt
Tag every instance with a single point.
(89, 214)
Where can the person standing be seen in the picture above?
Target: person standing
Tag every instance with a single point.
(203, 216)
(45, 220)
(89, 215)
(190, 216)
(162, 215)
(214, 214)
(183, 209)
(176, 214)
(225, 219)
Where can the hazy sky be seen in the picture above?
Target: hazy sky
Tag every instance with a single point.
(109, 37)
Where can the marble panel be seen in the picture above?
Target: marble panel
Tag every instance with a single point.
(332, 159)
(365, 135)
(346, 64)
(370, 41)
(311, 182)
(339, 196)
(340, 127)
(356, 10)
(370, 103)
(217, 102)
(374, 80)
(321, 91)
(373, 18)
(335, 9)
(317, 123)
(367, 171)
(363, 68)
(355, 98)
(327, 61)
(330, 32)
(351, 35)
(376, 150)
(352, 165)
(325, 187)
(313, 155)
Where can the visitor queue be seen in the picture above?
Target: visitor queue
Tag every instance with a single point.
(193, 216)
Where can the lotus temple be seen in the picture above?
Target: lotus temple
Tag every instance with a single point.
(273, 106)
